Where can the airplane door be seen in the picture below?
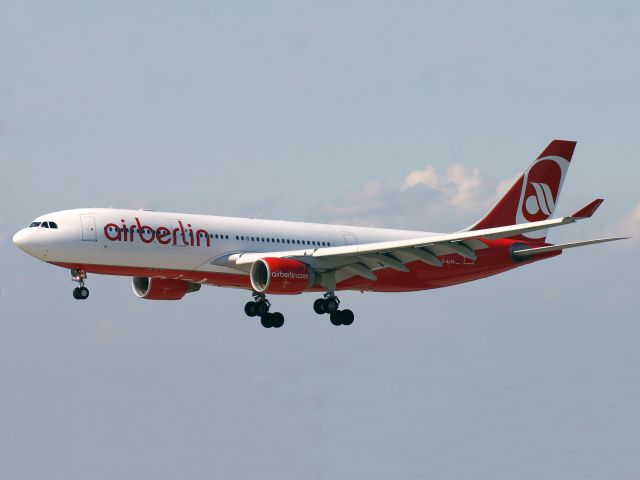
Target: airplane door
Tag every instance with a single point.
(88, 228)
(349, 238)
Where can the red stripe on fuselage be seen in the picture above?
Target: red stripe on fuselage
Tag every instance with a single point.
(455, 270)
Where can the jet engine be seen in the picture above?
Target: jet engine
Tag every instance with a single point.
(281, 276)
(162, 288)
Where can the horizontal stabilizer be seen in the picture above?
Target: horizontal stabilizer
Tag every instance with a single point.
(527, 252)
(589, 210)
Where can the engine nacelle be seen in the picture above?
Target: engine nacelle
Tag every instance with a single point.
(281, 275)
(162, 288)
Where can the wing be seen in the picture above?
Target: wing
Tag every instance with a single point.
(362, 259)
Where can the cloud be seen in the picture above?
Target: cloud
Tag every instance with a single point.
(628, 226)
(426, 199)
(459, 186)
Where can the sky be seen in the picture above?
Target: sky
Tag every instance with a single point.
(402, 114)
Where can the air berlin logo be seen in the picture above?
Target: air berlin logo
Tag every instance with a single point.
(541, 201)
(180, 235)
(541, 186)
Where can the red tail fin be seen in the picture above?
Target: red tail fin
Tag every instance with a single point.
(534, 195)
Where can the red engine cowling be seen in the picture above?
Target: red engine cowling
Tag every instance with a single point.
(162, 288)
(281, 276)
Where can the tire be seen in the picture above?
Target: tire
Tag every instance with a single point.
(83, 293)
(265, 320)
(261, 308)
(336, 318)
(318, 306)
(277, 320)
(347, 317)
(250, 309)
(76, 293)
(330, 305)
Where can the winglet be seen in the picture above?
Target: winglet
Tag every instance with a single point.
(589, 210)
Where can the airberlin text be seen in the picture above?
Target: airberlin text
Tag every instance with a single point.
(290, 275)
(179, 235)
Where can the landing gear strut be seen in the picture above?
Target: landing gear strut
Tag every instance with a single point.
(259, 307)
(329, 304)
(81, 292)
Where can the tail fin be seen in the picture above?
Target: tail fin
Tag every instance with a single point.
(533, 197)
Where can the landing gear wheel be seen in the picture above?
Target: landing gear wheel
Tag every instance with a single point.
(262, 308)
(250, 309)
(266, 320)
(277, 319)
(318, 306)
(346, 317)
(330, 305)
(80, 292)
(336, 318)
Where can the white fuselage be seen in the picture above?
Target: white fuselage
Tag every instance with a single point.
(112, 237)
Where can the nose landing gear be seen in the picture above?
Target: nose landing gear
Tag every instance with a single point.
(329, 304)
(81, 292)
(259, 307)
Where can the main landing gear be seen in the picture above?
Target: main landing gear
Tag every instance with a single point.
(81, 292)
(329, 304)
(259, 307)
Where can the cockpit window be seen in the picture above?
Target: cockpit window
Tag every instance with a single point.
(44, 225)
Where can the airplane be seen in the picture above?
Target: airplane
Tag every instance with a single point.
(172, 254)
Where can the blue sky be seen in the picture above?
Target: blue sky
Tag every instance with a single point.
(320, 111)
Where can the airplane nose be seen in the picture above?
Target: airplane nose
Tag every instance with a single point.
(20, 239)
(29, 243)
(24, 241)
